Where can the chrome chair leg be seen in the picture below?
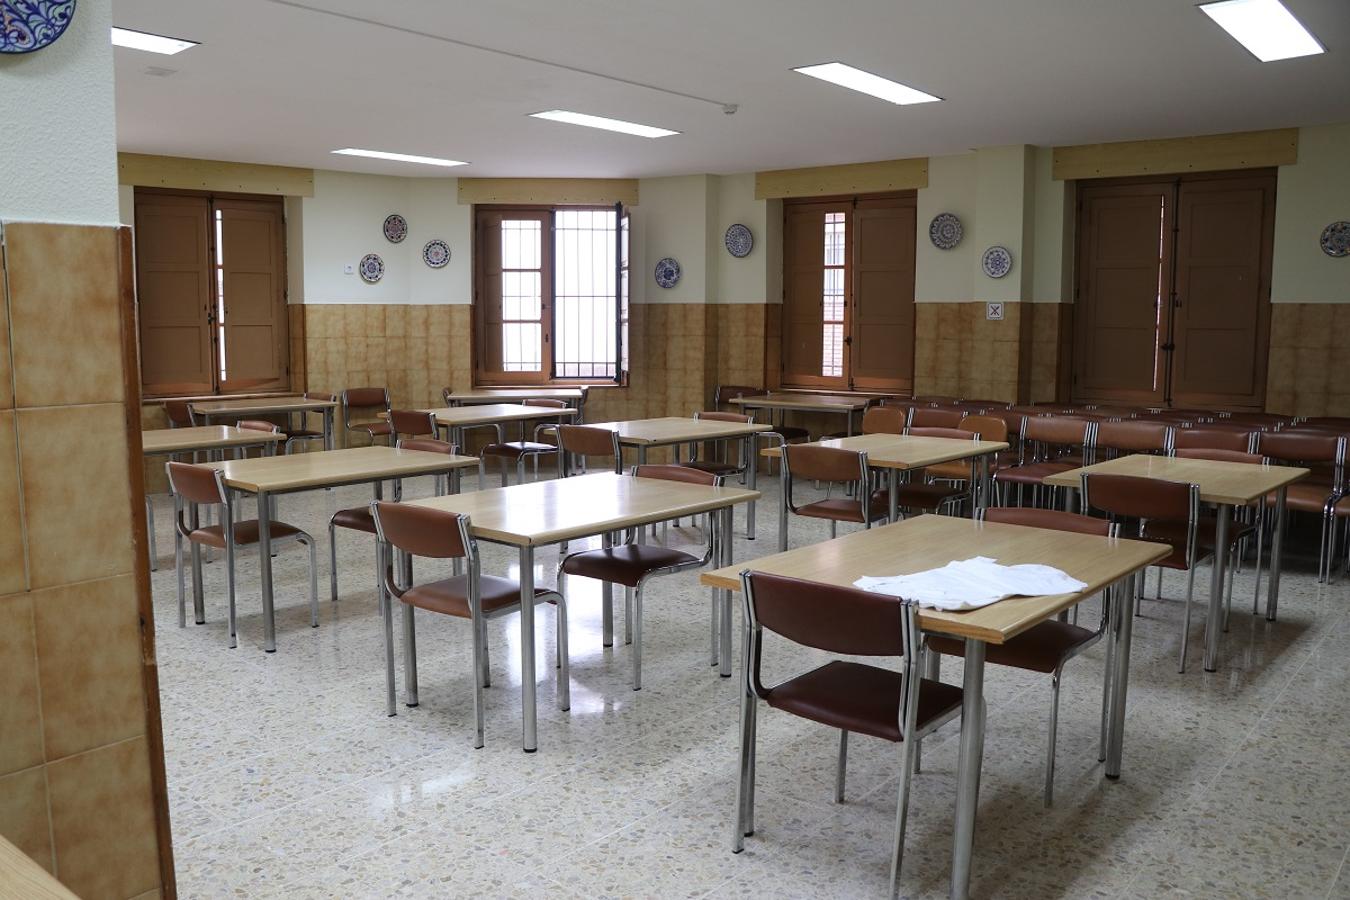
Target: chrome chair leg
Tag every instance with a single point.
(487, 659)
(1186, 617)
(841, 768)
(628, 615)
(229, 586)
(150, 532)
(834, 529)
(635, 616)
(409, 657)
(479, 668)
(1106, 686)
(712, 646)
(308, 541)
(1050, 749)
(902, 810)
(564, 658)
(332, 561)
(1260, 541)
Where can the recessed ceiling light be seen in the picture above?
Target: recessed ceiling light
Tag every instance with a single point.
(400, 157)
(153, 43)
(1264, 27)
(867, 83)
(576, 118)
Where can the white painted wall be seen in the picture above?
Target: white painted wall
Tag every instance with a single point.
(744, 280)
(1000, 195)
(671, 219)
(342, 222)
(58, 150)
(947, 276)
(1052, 253)
(1310, 195)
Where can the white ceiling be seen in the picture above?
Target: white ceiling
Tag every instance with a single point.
(272, 83)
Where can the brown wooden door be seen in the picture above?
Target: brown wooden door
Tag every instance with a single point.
(1221, 308)
(882, 311)
(251, 307)
(174, 295)
(1124, 262)
(810, 282)
(514, 296)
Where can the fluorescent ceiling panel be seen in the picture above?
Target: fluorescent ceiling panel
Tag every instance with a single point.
(619, 125)
(1264, 27)
(152, 43)
(867, 83)
(399, 157)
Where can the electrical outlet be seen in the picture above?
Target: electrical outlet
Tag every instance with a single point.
(349, 269)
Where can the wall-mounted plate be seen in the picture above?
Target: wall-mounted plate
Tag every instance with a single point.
(945, 231)
(395, 228)
(436, 254)
(739, 241)
(667, 272)
(996, 262)
(28, 25)
(371, 268)
(1336, 239)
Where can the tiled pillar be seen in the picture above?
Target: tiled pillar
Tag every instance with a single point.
(81, 754)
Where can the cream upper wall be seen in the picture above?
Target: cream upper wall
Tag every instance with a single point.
(1052, 250)
(1310, 195)
(947, 275)
(1001, 192)
(77, 185)
(342, 222)
(744, 280)
(671, 219)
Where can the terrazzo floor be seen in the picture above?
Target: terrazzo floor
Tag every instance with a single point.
(286, 778)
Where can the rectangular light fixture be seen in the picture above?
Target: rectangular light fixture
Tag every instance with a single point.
(1264, 27)
(152, 43)
(619, 125)
(867, 83)
(399, 157)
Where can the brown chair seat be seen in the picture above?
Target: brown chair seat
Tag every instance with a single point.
(626, 565)
(1041, 648)
(450, 596)
(1033, 473)
(245, 533)
(358, 518)
(925, 496)
(1206, 535)
(1303, 496)
(714, 466)
(374, 429)
(842, 509)
(793, 433)
(517, 449)
(956, 470)
(860, 698)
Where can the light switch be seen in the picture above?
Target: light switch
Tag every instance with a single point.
(349, 269)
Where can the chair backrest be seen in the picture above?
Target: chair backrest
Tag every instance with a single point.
(428, 445)
(179, 413)
(985, 428)
(956, 434)
(320, 395)
(826, 617)
(829, 464)
(1050, 519)
(545, 403)
(725, 393)
(422, 531)
(717, 416)
(684, 474)
(885, 420)
(194, 483)
(412, 422)
(930, 417)
(1057, 431)
(1219, 454)
(1133, 436)
(588, 440)
(1302, 447)
(1135, 497)
(258, 425)
(1213, 437)
(370, 400)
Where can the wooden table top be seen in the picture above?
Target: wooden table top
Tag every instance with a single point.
(331, 468)
(491, 413)
(1220, 482)
(929, 542)
(494, 395)
(21, 878)
(900, 451)
(815, 402)
(203, 437)
(261, 405)
(677, 429)
(560, 509)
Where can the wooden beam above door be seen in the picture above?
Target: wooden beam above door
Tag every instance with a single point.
(550, 191)
(181, 173)
(857, 178)
(1205, 153)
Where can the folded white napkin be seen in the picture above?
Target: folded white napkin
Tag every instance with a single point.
(972, 583)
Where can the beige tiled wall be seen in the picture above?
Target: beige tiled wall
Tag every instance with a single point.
(75, 736)
(1308, 357)
(958, 352)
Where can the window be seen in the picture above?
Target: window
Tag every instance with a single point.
(211, 294)
(848, 293)
(551, 294)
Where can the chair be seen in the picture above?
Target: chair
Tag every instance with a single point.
(985, 428)
(725, 393)
(1047, 646)
(412, 423)
(205, 486)
(1133, 436)
(632, 564)
(723, 466)
(179, 415)
(900, 707)
(1168, 512)
(303, 434)
(368, 402)
(1322, 492)
(1214, 437)
(1056, 443)
(520, 450)
(437, 534)
(1258, 525)
(935, 417)
(584, 441)
(919, 492)
(885, 420)
(263, 426)
(831, 466)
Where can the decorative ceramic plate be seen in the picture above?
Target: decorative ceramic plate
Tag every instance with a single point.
(996, 262)
(739, 241)
(436, 253)
(371, 268)
(945, 231)
(1336, 239)
(667, 272)
(28, 25)
(395, 228)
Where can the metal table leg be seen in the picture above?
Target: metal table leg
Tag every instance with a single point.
(724, 519)
(893, 494)
(198, 601)
(328, 437)
(265, 569)
(387, 617)
(969, 759)
(607, 599)
(528, 710)
(1214, 624)
(751, 480)
(1122, 624)
(1276, 556)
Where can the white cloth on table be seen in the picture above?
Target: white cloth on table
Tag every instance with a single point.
(973, 583)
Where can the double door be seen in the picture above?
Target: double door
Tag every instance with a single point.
(1172, 293)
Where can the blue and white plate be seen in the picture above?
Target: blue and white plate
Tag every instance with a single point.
(436, 254)
(1336, 239)
(395, 228)
(371, 268)
(28, 25)
(739, 241)
(667, 272)
(945, 231)
(996, 262)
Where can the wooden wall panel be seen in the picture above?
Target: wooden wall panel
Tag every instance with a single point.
(549, 191)
(1206, 153)
(858, 178)
(180, 173)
